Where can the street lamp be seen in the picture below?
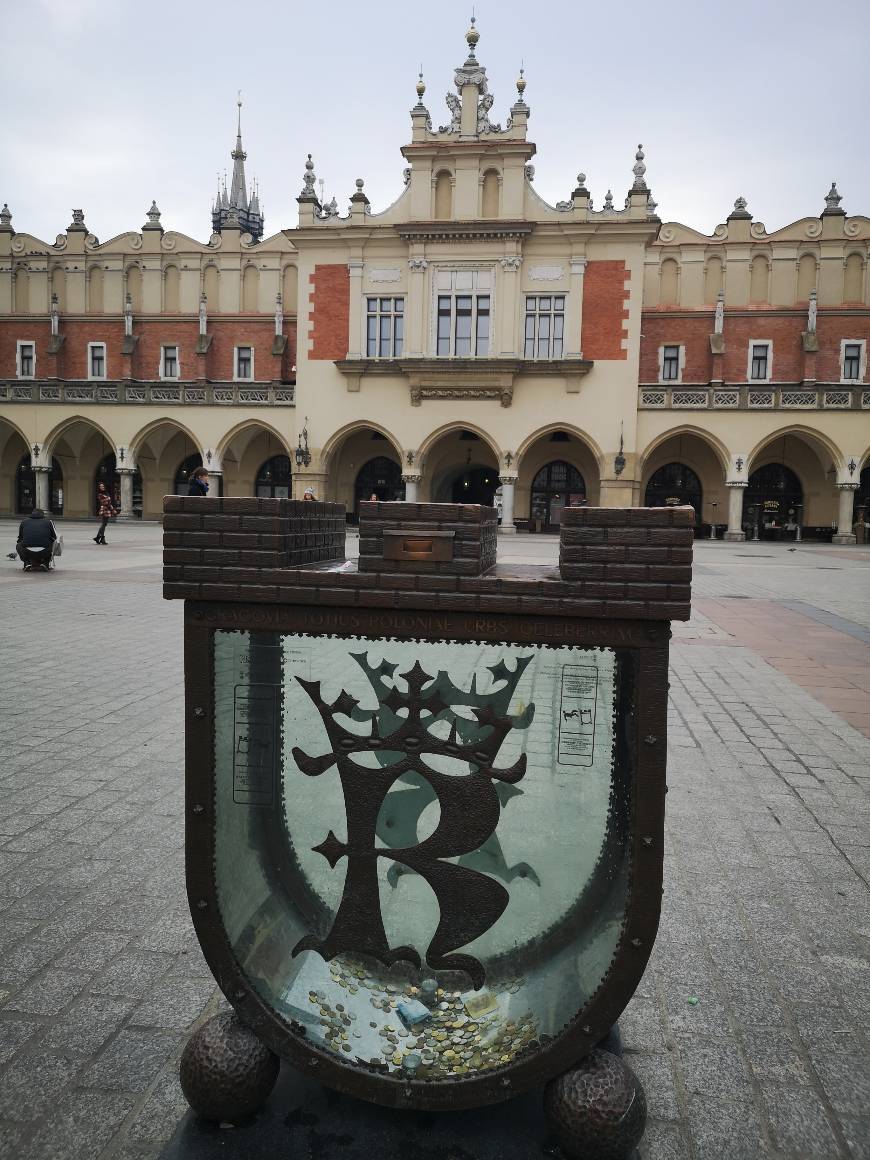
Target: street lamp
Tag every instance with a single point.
(303, 455)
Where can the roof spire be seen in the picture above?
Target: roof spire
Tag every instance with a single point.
(238, 192)
(236, 208)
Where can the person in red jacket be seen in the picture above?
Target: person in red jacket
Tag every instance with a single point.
(106, 510)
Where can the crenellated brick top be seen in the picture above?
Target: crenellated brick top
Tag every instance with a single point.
(614, 563)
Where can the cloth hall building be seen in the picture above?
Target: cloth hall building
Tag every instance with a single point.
(469, 342)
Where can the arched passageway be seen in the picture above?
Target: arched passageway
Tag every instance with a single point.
(556, 486)
(686, 468)
(773, 503)
(79, 448)
(557, 469)
(274, 478)
(107, 473)
(26, 490)
(362, 462)
(461, 467)
(185, 469)
(255, 461)
(792, 485)
(160, 455)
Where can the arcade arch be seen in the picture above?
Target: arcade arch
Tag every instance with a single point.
(686, 467)
(460, 466)
(79, 445)
(362, 457)
(159, 450)
(13, 448)
(557, 467)
(792, 481)
(243, 452)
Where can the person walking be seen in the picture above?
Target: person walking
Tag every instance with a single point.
(106, 510)
(198, 482)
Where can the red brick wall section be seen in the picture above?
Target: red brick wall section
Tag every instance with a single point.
(255, 332)
(329, 314)
(605, 289)
(693, 333)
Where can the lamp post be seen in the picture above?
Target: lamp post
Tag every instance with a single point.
(303, 455)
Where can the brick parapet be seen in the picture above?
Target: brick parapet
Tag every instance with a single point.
(471, 531)
(629, 564)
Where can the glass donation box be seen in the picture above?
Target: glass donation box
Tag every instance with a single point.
(424, 791)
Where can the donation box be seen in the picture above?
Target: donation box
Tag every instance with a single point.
(425, 792)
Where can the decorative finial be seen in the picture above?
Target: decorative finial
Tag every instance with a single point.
(651, 207)
(421, 86)
(309, 181)
(5, 217)
(359, 184)
(78, 220)
(472, 37)
(153, 214)
(581, 179)
(639, 169)
(521, 84)
(740, 210)
(833, 199)
(740, 203)
(608, 202)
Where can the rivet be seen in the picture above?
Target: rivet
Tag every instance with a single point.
(647, 841)
(635, 942)
(650, 739)
(199, 711)
(201, 904)
(199, 808)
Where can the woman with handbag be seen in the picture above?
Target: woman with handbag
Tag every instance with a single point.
(106, 510)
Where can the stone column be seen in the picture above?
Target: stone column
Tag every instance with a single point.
(411, 482)
(508, 483)
(416, 331)
(735, 531)
(509, 290)
(126, 474)
(844, 523)
(572, 344)
(42, 491)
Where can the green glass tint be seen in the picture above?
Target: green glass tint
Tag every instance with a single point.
(422, 848)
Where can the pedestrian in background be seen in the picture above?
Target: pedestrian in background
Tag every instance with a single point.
(105, 511)
(198, 482)
(309, 494)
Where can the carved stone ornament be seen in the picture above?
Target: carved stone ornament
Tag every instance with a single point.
(455, 106)
(546, 273)
(511, 262)
(504, 395)
(417, 264)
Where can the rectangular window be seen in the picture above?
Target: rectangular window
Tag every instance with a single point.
(463, 313)
(670, 364)
(169, 365)
(244, 362)
(26, 360)
(385, 327)
(852, 361)
(759, 362)
(96, 360)
(545, 325)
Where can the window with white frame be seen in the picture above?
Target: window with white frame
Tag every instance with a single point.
(545, 325)
(244, 362)
(169, 362)
(853, 360)
(671, 359)
(385, 327)
(96, 360)
(463, 313)
(760, 362)
(25, 360)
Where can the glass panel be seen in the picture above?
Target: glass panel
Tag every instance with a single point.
(483, 279)
(557, 348)
(399, 305)
(531, 303)
(372, 305)
(301, 799)
(463, 326)
(544, 303)
(384, 350)
(558, 303)
(386, 304)
(482, 346)
(371, 336)
(400, 335)
(558, 325)
(464, 279)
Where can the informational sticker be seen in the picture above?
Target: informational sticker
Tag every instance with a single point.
(577, 715)
(254, 744)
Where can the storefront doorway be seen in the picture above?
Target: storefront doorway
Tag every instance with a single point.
(773, 503)
(381, 477)
(25, 485)
(675, 485)
(274, 479)
(556, 486)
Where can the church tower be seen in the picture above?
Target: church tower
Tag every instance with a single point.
(235, 209)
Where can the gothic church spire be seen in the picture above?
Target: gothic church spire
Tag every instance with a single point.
(235, 210)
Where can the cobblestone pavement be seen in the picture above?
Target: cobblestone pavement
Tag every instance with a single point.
(766, 920)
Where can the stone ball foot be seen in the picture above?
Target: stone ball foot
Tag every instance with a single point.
(597, 1110)
(226, 1073)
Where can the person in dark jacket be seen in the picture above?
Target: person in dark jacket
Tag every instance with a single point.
(36, 532)
(198, 482)
(106, 509)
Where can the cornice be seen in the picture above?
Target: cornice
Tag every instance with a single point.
(458, 231)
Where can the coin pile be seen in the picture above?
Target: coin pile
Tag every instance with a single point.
(465, 1033)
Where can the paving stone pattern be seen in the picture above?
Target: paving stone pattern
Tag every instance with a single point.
(765, 920)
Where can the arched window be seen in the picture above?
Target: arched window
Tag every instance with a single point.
(134, 288)
(211, 289)
(381, 477)
(289, 289)
(556, 486)
(95, 290)
(22, 290)
(250, 289)
(274, 478)
(107, 473)
(758, 279)
(489, 202)
(806, 277)
(772, 503)
(669, 294)
(182, 475)
(713, 280)
(443, 196)
(853, 279)
(171, 289)
(674, 485)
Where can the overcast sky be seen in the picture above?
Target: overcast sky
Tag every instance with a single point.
(109, 103)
